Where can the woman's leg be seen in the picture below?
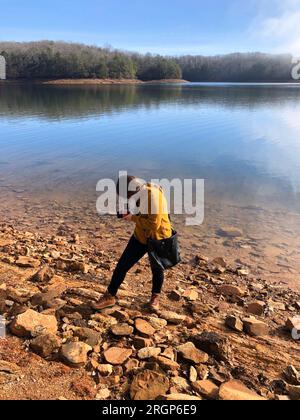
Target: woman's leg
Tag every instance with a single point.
(157, 276)
(132, 254)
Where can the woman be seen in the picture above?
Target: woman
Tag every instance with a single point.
(153, 222)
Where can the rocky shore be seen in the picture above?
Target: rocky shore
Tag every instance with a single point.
(220, 334)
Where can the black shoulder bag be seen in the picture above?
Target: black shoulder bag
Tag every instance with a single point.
(165, 252)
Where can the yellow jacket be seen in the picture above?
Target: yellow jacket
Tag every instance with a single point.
(153, 221)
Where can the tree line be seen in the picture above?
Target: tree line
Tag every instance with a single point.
(58, 60)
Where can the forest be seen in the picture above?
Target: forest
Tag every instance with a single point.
(61, 60)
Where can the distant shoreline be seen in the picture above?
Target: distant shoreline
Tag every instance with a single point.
(88, 81)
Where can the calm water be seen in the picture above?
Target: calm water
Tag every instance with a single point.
(244, 140)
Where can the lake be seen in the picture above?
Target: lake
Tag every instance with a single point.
(244, 140)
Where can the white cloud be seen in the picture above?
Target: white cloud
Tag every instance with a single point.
(279, 26)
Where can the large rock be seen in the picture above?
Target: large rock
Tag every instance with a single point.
(43, 275)
(75, 353)
(214, 345)
(144, 328)
(237, 391)
(292, 375)
(293, 324)
(256, 308)
(190, 353)
(46, 344)
(32, 323)
(148, 352)
(28, 262)
(117, 355)
(122, 330)
(148, 385)
(294, 392)
(206, 389)
(234, 323)
(255, 327)
(231, 290)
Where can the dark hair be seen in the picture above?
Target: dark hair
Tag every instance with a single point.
(128, 179)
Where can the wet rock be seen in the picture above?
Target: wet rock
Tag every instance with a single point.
(148, 352)
(189, 352)
(122, 330)
(148, 385)
(141, 342)
(75, 353)
(292, 375)
(230, 290)
(46, 344)
(255, 327)
(234, 323)
(31, 323)
(214, 345)
(237, 391)
(179, 397)
(256, 308)
(230, 232)
(117, 355)
(206, 389)
(144, 328)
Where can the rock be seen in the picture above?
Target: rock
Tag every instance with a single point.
(144, 328)
(175, 295)
(121, 316)
(178, 397)
(43, 275)
(237, 391)
(148, 352)
(292, 375)
(157, 323)
(293, 324)
(276, 305)
(190, 353)
(294, 392)
(230, 290)
(86, 293)
(191, 295)
(105, 369)
(172, 317)
(230, 232)
(31, 323)
(48, 300)
(234, 323)
(148, 385)
(255, 327)
(75, 353)
(243, 272)
(122, 330)
(220, 262)
(78, 266)
(10, 368)
(46, 344)
(131, 365)
(193, 375)
(3, 298)
(169, 353)
(103, 394)
(214, 345)
(180, 384)
(141, 342)
(202, 372)
(256, 308)
(27, 262)
(117, 355)
(87, 335)
(206, 389)
(166, 364)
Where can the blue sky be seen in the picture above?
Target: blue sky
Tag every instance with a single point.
(158, 26)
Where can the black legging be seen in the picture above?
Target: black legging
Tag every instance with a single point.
(134, 251)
